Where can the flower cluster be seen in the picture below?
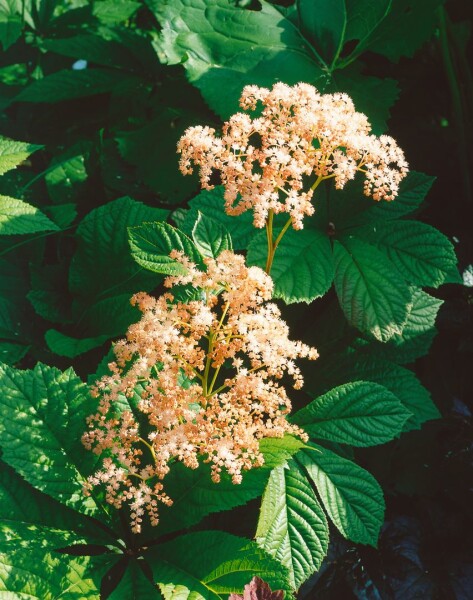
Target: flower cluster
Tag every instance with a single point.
(194, 379)
(264, 162)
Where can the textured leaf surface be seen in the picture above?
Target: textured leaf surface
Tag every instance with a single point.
(360, 414)
(224, 47)
(292, 526)
(418, 332)
(195, 495)
(151, 244)
(18, 217)
(351, 496)
(29, 517)
(398, 380)
(210, 565)
(210, 236)
(14, 153)
(211, 203)
(102, 266)
(43, 415)
(134, 585)
(302, 269)
(371, 292)
(350, 208)
(32, 573)
(420, 252)
(324, 23)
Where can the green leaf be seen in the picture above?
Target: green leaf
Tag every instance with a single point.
(302, 269)
(418, 332)
(151, 244)
(351, 496)
(112, 12)
(10, 30)
(371, 292)
(211, 204)
(292, 526)
(73, 84)
(43, 414)
(11, 353)
(210, 237)
(224, 47)
(210, 565)
(361, 413)
(364, 17)
(66, 175)
(32, 573)
(48, 292)
(195, 495)
(324, 23)
(19, 218)
(31, 518)
(134, 585)
(13, 153)
(420, 252)
(398, 380)
(102, 266)
(405, 28)
(65, 345)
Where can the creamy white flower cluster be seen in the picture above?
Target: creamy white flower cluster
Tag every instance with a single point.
(264, 162)
(203, 379)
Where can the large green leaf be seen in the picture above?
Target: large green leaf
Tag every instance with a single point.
(31, 573)
(211, 203)
(102, 266)
(210, 236)
(73, 84)
(371, 292)
(361, 413)
(407, 25)
(134, 585)
(292, 526)
(43, 414)
(30, 517)
(14, 153)
(351, 496)
(210, 565)
(400, 381)
(18, 217)
(302, 269)
(65, 345)
(224, 47)
(418, 332)
(151, 244)
(324, 23)
(195, 495)
(420, 252)
(350, 208)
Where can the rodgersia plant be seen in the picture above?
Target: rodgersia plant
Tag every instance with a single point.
(191, 414)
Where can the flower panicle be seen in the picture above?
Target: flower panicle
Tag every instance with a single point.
(198, 379)
(299, 135)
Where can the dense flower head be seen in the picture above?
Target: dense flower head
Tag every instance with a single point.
(203, 377)
(264, 162)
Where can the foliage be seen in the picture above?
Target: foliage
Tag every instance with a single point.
(91, 205)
